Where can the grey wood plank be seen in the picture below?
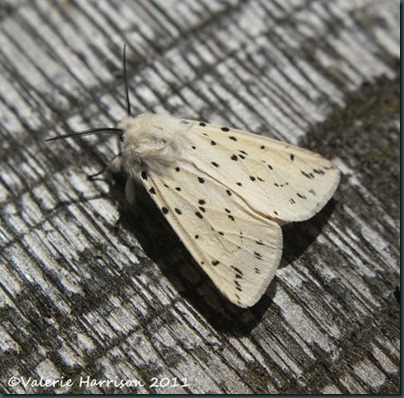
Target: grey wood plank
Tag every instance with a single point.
(90, 290)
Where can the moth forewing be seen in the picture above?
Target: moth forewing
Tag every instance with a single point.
(226, 192)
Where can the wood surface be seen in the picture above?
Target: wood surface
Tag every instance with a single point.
(91, 291)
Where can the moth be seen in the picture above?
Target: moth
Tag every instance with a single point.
(225, 192)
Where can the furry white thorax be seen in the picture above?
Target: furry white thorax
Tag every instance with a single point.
(152, 142)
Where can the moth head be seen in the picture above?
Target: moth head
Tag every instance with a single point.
(151, 142)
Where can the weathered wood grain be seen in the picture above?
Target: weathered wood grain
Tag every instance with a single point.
(90, 290)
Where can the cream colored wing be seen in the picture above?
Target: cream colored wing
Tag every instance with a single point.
(236, 246)
(282, 181)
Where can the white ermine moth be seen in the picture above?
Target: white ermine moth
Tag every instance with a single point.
(225, 192)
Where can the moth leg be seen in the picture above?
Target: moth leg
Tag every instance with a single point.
(114, 167)
(130, 191)
(93, 176)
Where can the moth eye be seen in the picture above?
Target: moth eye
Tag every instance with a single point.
(121, 138)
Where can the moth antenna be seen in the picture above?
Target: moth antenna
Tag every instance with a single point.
(125, 78)
(100, 130)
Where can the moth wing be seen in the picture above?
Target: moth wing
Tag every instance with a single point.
(238, 248)
(282, 181)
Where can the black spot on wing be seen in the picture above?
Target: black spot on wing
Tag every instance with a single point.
(225, 129)
(281, 185)
(307, 175)
(258, 255)
(239, 273)
(321, 172)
